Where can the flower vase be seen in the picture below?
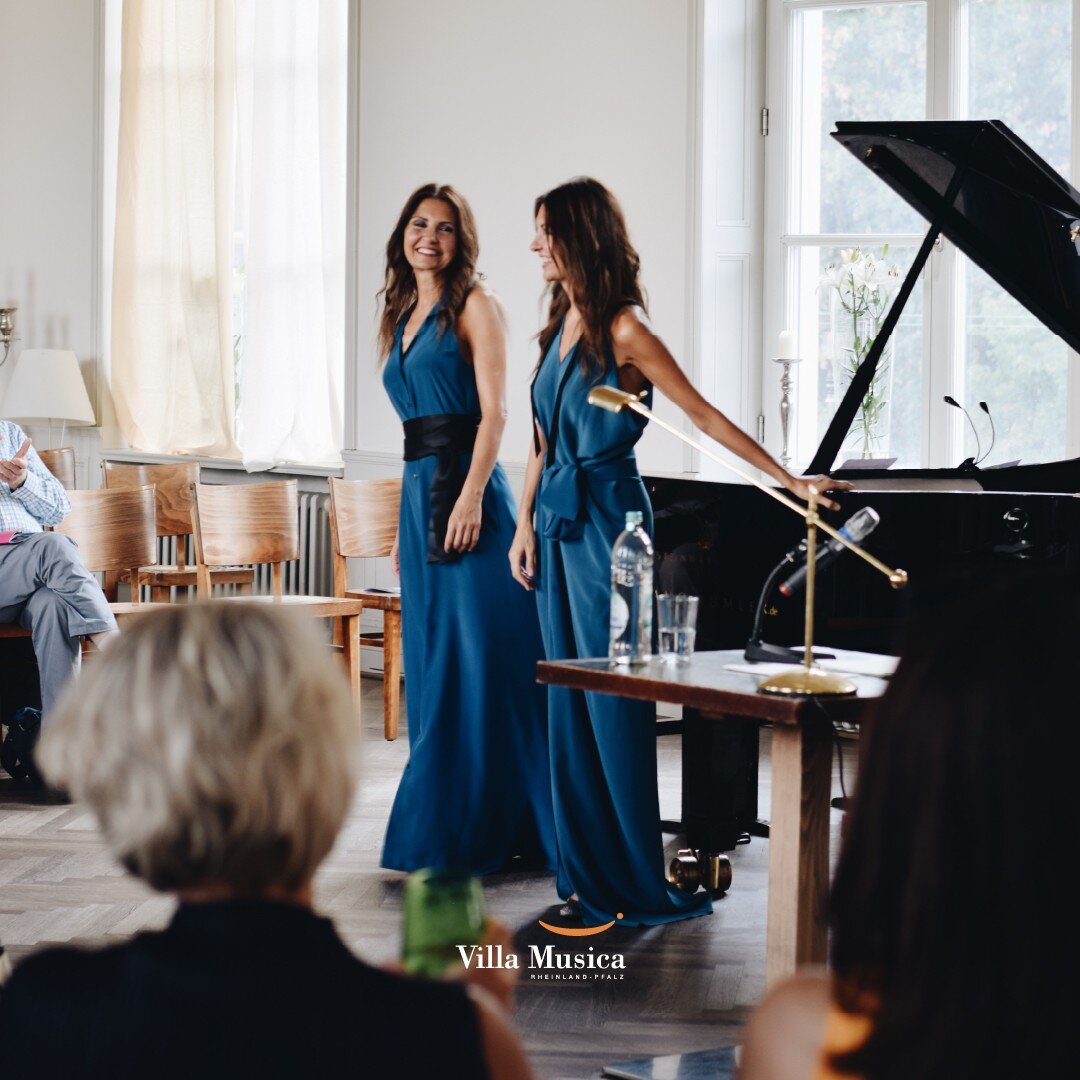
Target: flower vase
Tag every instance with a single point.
(868, 436)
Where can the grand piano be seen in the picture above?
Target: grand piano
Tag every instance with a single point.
(984, 189)
(980, 186)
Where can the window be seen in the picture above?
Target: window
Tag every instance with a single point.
(839, 241)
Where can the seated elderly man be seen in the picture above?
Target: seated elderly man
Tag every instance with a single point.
(43, 583)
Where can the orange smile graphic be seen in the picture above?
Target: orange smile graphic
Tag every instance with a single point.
(583, 931)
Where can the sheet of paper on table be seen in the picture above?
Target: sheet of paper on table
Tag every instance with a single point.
(846, 663)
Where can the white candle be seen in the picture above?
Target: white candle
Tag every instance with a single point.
(786, 349)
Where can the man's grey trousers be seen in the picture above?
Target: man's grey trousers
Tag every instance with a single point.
(45, 587)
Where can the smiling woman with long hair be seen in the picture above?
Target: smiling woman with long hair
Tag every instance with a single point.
(582, 480)
(475, 791)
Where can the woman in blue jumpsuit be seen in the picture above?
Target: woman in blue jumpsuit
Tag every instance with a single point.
(581, 481)
(476, 789)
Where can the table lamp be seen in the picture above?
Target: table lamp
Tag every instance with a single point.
(47, 385)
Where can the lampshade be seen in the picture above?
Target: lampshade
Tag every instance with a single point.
(47, 385)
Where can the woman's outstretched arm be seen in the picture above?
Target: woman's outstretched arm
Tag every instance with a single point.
(637, 346)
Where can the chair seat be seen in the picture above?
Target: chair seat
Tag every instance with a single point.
(377, 601)
(13, 630)
(330, 607)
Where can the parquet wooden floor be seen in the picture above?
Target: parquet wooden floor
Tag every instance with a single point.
(687, 986)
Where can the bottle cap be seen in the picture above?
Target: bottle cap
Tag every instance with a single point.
(634, 517)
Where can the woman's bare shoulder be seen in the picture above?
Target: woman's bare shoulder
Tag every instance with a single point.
(629, 325)
(483, 303)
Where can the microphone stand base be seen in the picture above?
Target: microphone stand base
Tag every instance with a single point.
(761, 652)
(807, 683)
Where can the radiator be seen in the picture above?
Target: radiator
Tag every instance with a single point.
(310, 575)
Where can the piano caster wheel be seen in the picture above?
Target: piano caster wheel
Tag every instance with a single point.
(691, 870)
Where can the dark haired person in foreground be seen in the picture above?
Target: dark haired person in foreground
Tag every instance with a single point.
(955, 942)
(476, 789)
(217, 747)
(581, 480)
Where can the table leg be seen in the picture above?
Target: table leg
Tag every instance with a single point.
(351, 643)
(798, 847)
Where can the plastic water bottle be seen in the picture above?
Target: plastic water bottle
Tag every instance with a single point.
(631, 594)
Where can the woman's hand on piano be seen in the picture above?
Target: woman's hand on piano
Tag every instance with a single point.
(799, 486)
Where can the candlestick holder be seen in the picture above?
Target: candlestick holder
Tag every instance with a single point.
(7, 331)
(785, 403)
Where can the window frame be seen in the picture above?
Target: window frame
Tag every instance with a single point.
(943, 428)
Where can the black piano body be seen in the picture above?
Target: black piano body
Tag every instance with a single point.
(719, 541)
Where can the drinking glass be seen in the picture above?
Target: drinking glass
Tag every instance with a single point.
(443, 909)
(678, 627)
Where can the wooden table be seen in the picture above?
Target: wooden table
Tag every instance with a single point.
(801, 776)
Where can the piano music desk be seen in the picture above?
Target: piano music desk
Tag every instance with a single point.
(801, 776)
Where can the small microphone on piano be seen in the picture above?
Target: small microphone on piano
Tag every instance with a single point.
(950, 400)
(993, 432)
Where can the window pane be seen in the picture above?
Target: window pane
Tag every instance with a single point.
(853, 63)
(1019, 71)
(1017, 366)
(842, 296)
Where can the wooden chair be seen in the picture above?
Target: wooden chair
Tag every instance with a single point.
(173, 503)
(116, 534)
(61, 463)
(364, 525)
(259, 523)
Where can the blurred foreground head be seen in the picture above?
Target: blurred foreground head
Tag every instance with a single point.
(217, 746)
(951, 923)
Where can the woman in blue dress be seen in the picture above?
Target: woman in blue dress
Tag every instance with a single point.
(476, 790)
(581, 481)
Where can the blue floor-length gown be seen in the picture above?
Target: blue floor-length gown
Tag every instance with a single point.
(476, 789)
(603, 748)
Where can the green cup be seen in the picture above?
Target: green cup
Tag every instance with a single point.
(443, 909)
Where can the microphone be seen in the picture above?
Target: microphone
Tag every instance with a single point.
(857, 527)
(949, 400)
(993, 432)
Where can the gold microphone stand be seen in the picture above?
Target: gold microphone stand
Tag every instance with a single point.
(807, 680)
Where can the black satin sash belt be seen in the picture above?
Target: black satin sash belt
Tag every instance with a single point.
(445, 436)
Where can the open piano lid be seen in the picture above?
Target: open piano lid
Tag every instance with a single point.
(986, 190)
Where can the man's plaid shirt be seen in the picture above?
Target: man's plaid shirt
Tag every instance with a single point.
(40, 499)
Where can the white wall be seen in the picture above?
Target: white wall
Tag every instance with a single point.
(505, 99)
(47, 189)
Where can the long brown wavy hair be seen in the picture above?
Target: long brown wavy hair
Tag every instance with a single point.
(399, 287)
(589, 238)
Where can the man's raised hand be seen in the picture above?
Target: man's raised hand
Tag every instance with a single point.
(13, 470)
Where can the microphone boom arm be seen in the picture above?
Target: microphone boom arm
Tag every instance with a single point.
(608, 397)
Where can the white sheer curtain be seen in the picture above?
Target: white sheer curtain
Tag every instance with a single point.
(172, 377)
(291, 102)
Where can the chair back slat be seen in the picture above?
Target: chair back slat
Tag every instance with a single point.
(172, 485)
(364, 515)
(61, 463)
(247, 523)
(114, 529)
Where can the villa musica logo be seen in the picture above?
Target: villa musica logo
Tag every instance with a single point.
(544, 963)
